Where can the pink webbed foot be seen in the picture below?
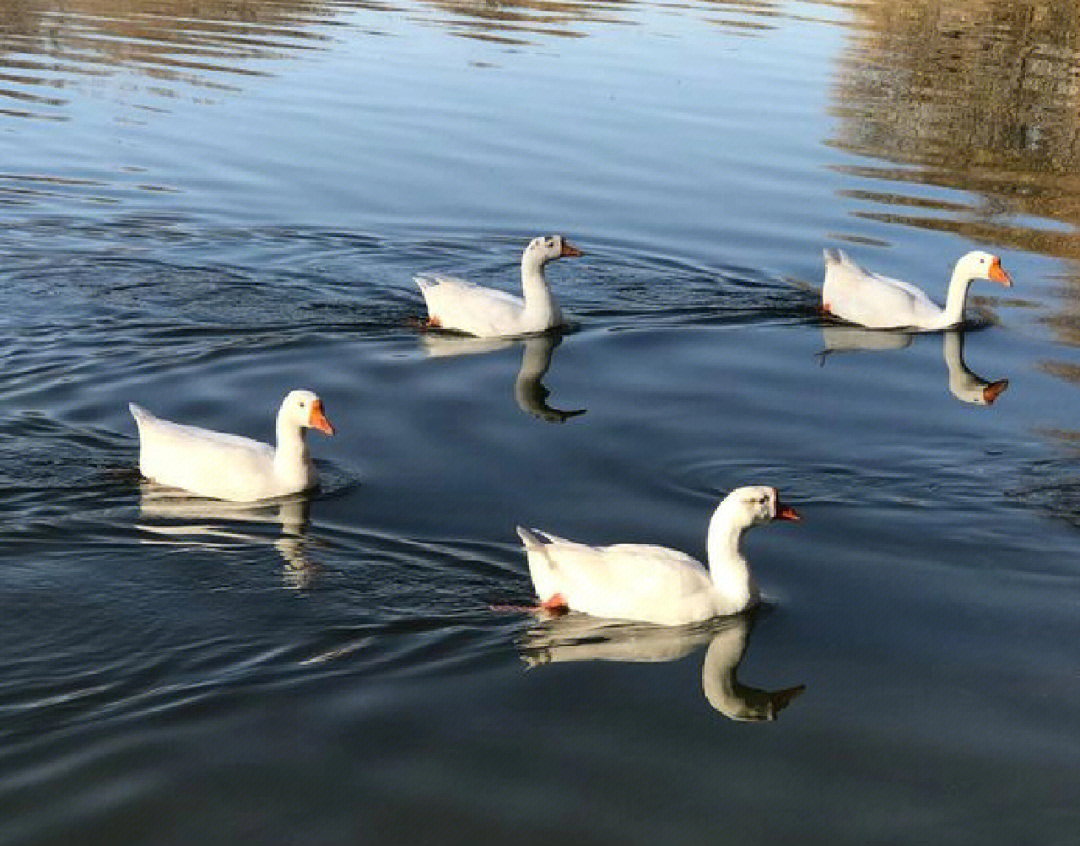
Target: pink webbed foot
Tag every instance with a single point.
(554, 606)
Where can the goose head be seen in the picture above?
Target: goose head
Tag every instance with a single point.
(756, 504)
(304, 410)
(545, 248)
(982, 265)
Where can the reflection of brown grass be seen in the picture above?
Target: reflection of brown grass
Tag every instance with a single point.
(977, 95)
(163, 38)
(509, 20)
(1063, 370)
(984, 96)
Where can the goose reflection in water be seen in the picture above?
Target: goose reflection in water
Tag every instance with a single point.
(964, 384)
(530, 393)
(580, 637)
(175, 517)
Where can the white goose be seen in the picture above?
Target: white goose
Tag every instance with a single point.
(461, 306)
(878, 302)
(213, 464)
(654, 584)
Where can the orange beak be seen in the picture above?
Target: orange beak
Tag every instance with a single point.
(317, 420)
(569, 250)
(998, 274)
(786, 512)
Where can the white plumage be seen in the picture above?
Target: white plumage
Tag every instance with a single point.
(655, 584)
(461, 306)
(231, 467)
(880, 302)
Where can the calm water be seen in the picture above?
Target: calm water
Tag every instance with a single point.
(205, 205)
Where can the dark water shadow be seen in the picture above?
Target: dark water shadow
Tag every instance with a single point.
(169, 516)
(579, 637)
(530, 392)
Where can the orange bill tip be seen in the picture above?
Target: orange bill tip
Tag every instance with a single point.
(994, 390)
(318, 420)
(998, 274)
(786, 512)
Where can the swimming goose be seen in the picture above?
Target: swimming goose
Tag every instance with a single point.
(654, 584)
(878, 302)
(230, 467)
(461, 306)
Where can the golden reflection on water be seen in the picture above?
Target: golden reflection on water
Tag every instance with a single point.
(981, 96)
(192, 40)
(43, 45)
(511, 21)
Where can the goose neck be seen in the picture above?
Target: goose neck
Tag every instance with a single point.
(291, 444)
(956, 298)
(728, 568)
(539, 301)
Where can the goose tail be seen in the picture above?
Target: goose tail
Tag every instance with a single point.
(533, 539)
(837, 257)
(139, 413)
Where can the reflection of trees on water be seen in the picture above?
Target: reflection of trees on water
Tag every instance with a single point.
(981, 96)
(984, 96)
(163, 39)
(512, 20)
(210, 43)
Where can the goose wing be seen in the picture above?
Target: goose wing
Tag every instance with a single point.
(462, 306)
(861, 296)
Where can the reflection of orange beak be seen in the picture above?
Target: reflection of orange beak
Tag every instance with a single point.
(998, 274)
(786, 512)
(318, 420)
(994, 390)
(569, 250)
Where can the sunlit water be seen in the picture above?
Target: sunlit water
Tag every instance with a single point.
(205, 205)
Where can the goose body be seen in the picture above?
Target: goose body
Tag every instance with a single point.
(230, 467)
(880, 302)
(655, 584)
(460, 306)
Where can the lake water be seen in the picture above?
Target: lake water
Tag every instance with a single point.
(204, 205)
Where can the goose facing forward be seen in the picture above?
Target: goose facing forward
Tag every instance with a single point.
(461, 306)
(654, 584)
(231, 467)
(879, 302)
